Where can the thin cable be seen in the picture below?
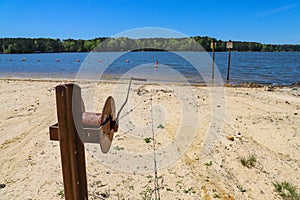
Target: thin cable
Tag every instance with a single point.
(156, 186)
(121, 108)
(128, 90)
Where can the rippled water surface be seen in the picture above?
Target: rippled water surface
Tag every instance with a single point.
(196, 67)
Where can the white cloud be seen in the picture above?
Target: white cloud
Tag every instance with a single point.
(278, 10)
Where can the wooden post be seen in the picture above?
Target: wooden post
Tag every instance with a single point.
(72, 119)
(228, 71)
(68, 101)
(229, 46)
(213, 46)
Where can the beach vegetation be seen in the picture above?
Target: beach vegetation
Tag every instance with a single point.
(240, 188)
(100, 44)
(160, 126)
(216, 196)
(147, 193)
(189, 190)
(208, 164)
(119, 148)
(249, 162)
(287, 190)
(147, 140)
(61, 193)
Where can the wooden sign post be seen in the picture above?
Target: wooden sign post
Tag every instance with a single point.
(213, 45)
(229, 46)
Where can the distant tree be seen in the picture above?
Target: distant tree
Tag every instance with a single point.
(31, 45)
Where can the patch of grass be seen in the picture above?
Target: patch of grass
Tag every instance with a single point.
(61, 193)
(119, 148)
(207, 179)
(189, 190)
(119, 195)
(147, 193)
(241, 189)
(208, 164)
(149, 176)
(161, 126)
(249, 162)
(147, 140)
(286, 190)
(98, 182)
(215, 196)
(130, 187)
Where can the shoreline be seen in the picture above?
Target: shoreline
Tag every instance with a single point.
(109, 79)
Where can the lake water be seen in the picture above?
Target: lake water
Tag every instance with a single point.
(196, 67)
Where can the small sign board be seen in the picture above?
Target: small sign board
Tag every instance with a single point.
(213, 45)
(229, 45)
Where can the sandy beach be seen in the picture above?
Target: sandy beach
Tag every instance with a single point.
(262, 122)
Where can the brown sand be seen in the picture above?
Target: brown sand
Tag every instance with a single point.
(260, 122)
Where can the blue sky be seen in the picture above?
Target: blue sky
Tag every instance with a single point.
(266, 21)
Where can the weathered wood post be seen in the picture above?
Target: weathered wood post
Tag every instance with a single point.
(213, 45)
(229, 46)
(68, 101)
(74, 122)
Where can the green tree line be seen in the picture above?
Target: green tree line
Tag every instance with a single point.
(44, 45)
